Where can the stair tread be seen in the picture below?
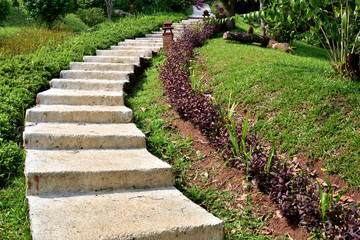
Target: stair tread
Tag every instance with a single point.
(41, 161)
(83, 129)
(74, 92)
(162, 213)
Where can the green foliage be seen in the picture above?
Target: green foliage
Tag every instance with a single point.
(74, 23)
(122, 4)
(296, 98)
(163, 5)
(91, 4)
(4, 9)
(11, 161)
(92, 16)
(14, 217)
(48, 10)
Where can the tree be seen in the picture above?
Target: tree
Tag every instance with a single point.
(109, 7)
(4, 9)
(48, 10)
(229, 6)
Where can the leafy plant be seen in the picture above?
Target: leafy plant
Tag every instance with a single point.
(327, 199)
(48, 10)
(74, 23)
(92, 16)
(4, 9)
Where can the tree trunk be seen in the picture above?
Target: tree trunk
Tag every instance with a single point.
(352, 65)
(263, 29)
(229, 6)
(109, 7)
(248, 38)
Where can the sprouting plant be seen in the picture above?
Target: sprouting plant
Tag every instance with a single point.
(228, 118)
(271, 155)
(327, 199)
(247, 154)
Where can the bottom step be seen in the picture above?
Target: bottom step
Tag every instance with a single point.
(160, 214)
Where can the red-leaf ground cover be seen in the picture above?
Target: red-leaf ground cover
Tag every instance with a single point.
(289, 185)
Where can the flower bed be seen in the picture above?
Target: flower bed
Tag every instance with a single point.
(296, 194)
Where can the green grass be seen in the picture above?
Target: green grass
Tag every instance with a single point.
(152, 116)
(297, 98)
(14, 220)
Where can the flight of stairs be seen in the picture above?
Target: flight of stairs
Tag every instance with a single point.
(89, 175)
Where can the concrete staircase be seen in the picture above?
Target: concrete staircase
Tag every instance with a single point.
(89, 175)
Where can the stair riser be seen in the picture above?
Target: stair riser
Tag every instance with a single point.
(104, 59)
(80, 100)
(74, 74)
(34, 115)
(71, 182)
(87, 85)
(147, 54)
(145, 40)
(101, 67)
(52, 141)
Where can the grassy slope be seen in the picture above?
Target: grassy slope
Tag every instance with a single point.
(163, 140)
(295, 97)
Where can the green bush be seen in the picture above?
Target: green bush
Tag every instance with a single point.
(11, 161)
(22, 77)
(73, 22)
(92, 16)
(5, 6)
(91, 4)
(48, 10)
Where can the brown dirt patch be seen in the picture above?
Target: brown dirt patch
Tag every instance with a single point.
(224, 178)
(315, 168)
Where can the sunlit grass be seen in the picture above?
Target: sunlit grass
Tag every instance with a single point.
(30, 39)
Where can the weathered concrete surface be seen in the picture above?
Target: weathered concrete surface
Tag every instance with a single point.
(136, 53)
(121, 67)
(82, 136)
(157, 214)
(112, 59)
(108, 75)
(80, 97)
(58, 171)
(79, 114)
(88, 84)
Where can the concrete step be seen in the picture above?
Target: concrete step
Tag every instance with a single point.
(133, 53)
(82, 136)
(88, 66)
(109, 59)
(108, 75)
(58, 171)
(145, 40)
(160, 214)
(88, 84)
(141, 43)
(80, 97)
(151, 48)
(79, 114)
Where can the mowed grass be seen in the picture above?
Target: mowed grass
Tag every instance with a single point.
(296, 98)
(152, 115)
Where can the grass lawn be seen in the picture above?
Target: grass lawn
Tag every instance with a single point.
(296, 98)
(152, 116)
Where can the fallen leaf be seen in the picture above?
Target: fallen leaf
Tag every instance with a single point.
(143, 109)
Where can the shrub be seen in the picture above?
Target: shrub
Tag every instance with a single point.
(4, 9)
(91, 4)
(92, 16)
(74, 23)
(48, 10)
(11, 161)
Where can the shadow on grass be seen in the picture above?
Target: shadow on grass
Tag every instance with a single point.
(306, 50)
